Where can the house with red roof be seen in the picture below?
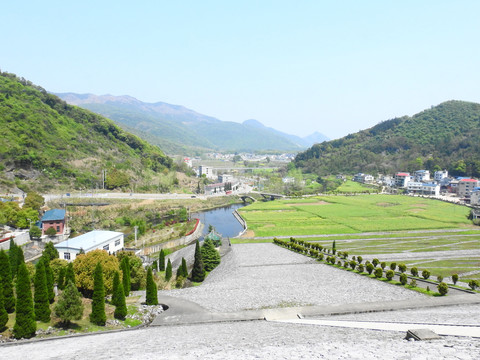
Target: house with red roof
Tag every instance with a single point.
(402, 179)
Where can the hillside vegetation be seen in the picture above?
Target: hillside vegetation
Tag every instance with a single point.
(45, 142)
(443, 137)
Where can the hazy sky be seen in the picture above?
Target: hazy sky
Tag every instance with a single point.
(299, 66)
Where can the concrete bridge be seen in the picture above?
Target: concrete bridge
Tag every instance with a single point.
(272, 196)
(245, 197)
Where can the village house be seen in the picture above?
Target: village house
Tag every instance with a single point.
(55, 218)
(475, 197)
(363, 178)
(440, 175)
(422, 176)
(110, 241)
(421, 188)
(402, 179)
(466, 186)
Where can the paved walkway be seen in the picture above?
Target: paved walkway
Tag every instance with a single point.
(452, 330)
(183, 312)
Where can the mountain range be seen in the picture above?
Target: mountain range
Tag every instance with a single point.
(445, 136)
(178, 130)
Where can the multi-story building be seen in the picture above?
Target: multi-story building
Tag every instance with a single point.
(440, 175)
(207, 171)
(466, 186)
(475, 196)
(402, 179)
(422, 175)
(420, 188)
(55, 218)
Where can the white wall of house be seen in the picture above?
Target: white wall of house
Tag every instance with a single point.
(109, 241)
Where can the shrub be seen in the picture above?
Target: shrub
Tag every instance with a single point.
(378, 272)
(370, 268)
(332, 260)
(383, 264)
(402, 268)
(425, 274)
(339, 262)
(442, 288)
(455, 278)
(403, 279)
(353, 264)
(473, 284)
(346, 264)
(393, 266)
(51, 231)
(414, 271)
(375, 262)
(69, 306)
(413, 283)
(440, 278)
(360, 268)
(320, 257)
(389, 274)
(359, 259)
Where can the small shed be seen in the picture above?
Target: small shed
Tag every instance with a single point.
(110, 241)
(54, 218)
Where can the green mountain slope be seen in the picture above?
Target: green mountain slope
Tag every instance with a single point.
(445, 136)
(179, 130)
(45, 142)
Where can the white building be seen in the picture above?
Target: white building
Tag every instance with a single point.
(207, 171)
(224, 178)
(422, 175)
(420, 188)
(440, 175)
(402, 179)
(110, 241)
(475, 196)
(363, 178)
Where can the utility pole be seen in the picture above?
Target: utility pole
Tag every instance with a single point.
(136, 228)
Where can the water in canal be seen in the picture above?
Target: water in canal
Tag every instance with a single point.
(221, 219)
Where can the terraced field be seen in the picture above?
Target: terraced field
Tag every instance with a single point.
(425, 233)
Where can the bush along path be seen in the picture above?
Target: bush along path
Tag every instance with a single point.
(417, 281)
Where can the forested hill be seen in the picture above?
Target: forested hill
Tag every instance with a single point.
(443, 137)
(45, 142)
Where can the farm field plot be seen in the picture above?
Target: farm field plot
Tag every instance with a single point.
(403, 228)
(352, 214)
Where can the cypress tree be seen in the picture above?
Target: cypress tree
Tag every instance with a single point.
(3, 312)
(6, 280)
(198, 272)
(179, 271)
(50, 252)
(120, 304)
(125, 267)
(25, 325)
(151, 296)
(12, 256)
(69, 275)
(69, 306)
(168, 271)
(50, 280)
(116, 282)
(184, 268)
(98, 316)
(161, 260)
(334, 248)
(40, 297)
(61, 278)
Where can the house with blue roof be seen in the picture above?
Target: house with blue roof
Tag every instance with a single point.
(110, 241)
(55, 218)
